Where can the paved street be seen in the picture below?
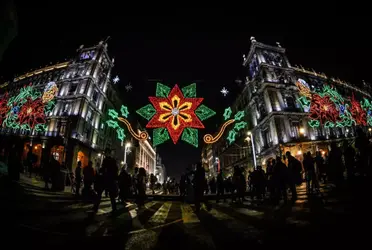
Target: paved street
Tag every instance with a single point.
(57, 218)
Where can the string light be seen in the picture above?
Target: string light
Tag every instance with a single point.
(224, 91)
(175, 110)
(357, 112)
(28, 109)
(4, 108)
(50, 92)
(227, 113)
(209, 139)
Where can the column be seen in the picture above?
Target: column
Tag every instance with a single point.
(287, 128)
(280, 98)
(274, 135)
(267, 102)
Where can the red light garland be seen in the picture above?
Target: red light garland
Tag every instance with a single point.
(323, 109)
(175, 113)
(4, 108)
(32, 113)
(357, 112)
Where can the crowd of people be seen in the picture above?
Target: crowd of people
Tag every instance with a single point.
(282, 175)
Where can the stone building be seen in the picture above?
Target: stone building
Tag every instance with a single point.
(75, 129)
(290, 108)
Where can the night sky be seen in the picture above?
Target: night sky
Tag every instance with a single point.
(179, 48)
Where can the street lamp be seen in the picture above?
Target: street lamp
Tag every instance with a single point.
(127, 146)
(250, 138)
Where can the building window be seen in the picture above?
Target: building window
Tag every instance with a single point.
(72, 89)
(290, 103)
(95, 96)
(67, 108)
(89, 115)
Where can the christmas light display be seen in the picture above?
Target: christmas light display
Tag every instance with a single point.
(50, 92)
(328, 108)
(323, 109)
(179, 112)
(209, 139)
(113, 123)
(29, 108)
(4, 108)
(224, 91)
(357, 112)
(116, 79)
(128, 87)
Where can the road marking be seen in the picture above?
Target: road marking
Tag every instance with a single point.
(161, 215)
(188, 216)
(155, 227)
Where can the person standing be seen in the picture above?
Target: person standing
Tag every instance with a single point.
(110, 176)
(199, 188)
(78, 178)
(88, 173)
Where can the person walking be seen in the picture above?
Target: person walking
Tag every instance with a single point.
(110, 177)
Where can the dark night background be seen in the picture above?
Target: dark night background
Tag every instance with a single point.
(183, 47)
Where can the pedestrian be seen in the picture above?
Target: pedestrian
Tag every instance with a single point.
(78, 178)
(199, 188)
(110, 178)
(220, 187)
(88, 173)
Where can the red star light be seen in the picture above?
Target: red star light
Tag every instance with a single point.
(175, 113)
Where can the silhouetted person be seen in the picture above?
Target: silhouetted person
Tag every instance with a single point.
(125, 184)
(183, 186)
(294, 174)
(141, 187)
(336, 166)
(311, 179)
(199, 187)
(212, 185)
(319, 161)
(110, 177)
(220, 187)
(153, 181)
(88, 173)
(30, 159)
(78, 178)
(280, 180)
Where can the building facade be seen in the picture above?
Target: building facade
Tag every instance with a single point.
(209, 161)
(75, 130)
(291, 109)
(160, 171)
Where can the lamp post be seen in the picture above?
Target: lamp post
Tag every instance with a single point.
(250, 138)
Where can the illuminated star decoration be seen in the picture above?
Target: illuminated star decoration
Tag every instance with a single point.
(128, 87)
(116, 79)
(174, 112)
(224, 91)
(238, 125)
(114, 120)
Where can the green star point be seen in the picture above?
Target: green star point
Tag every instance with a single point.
(124, 111)
(162, 90)
(231, 136)
(227, 113)
(160, 135)
(189, 91)
(147, 111)
(113, 114)
(238, 116)
(112, 124)
(240, 125)
(203, 112)
(190, 135)
(120, 134)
